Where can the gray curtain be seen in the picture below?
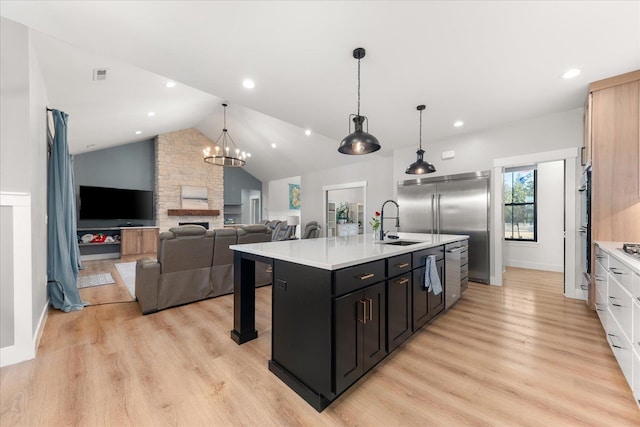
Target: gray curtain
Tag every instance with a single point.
(63, 253)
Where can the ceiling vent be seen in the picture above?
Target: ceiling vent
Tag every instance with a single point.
(100, 73)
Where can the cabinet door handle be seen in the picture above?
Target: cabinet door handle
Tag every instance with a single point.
(402, 265)
(364, 311)
(402, 281)
(638, 298)
(612, 303)
(615, 270)
(458, 249)
(612, 343)
(365, 276)
(599, 309)
(599, 256)
(584, 287)
(370, 308)
(599, 278)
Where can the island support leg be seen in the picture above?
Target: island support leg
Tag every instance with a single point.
(244, 299)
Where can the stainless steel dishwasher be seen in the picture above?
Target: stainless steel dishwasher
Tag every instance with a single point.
(455, 267)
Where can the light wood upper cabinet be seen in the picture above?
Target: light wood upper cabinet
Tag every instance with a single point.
(585, 154)
(136, 241)
(613, 129)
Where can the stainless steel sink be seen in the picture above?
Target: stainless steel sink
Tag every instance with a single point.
(400, 243)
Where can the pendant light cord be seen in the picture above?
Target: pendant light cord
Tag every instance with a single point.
(224, 115)
(421, 129)
(358, 87)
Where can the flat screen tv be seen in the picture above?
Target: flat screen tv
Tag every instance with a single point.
(115, 203)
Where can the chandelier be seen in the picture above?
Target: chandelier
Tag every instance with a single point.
(226, 151)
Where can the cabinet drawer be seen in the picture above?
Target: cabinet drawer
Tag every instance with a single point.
(620, 306)
(353, 278)
(636, 330)
(602, 307)
(419, 256)
(398, 265)
(636, 376)
(621, 348)
(600, 276)
(464, 270)
(602, 256)
(621, 272)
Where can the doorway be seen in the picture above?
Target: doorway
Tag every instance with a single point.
(344, 209)
(565, 176)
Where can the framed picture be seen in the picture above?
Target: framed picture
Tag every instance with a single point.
(294, 196)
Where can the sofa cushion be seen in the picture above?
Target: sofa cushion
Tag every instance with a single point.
(186, 247)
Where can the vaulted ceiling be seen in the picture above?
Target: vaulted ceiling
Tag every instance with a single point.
(486, 63)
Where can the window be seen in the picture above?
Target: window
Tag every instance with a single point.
(520, 205)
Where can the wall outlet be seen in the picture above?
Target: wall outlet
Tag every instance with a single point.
(448, 155)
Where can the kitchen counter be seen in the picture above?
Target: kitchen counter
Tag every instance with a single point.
(333, 253)
(615, 249)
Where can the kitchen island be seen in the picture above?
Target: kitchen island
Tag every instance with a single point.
(339, 304)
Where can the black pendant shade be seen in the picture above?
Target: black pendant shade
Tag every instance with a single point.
(420, 167)
(358, 142)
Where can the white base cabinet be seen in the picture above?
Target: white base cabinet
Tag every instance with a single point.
(617, 279)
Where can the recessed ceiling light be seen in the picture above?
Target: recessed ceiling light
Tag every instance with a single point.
(248, 83)
(569, 74)
(307, 132)
(248, 154)
(151, 114)
(171, 84)
(138, 132)
(458, 123)
(273, 145)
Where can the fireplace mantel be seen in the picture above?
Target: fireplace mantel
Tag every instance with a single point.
(193, 212)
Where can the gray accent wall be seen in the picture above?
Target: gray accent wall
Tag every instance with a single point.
(236, 180)
(130, 166)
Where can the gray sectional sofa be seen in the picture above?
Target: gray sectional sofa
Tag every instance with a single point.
(194, 264)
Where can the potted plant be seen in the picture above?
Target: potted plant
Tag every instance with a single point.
(342, 213)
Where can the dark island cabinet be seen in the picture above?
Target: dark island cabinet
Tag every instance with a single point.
(426, 305)
(331, 327)
(398, 310)
(360, 333)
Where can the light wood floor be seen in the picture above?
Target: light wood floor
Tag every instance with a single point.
(520, 354)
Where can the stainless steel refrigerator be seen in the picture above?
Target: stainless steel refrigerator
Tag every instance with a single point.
(454, 204)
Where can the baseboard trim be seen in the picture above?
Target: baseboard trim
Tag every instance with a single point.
(535, 266)
(41, 324)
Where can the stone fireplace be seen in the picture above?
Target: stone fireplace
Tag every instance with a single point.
(179, 162)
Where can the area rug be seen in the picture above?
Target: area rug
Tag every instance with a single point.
(95, 280)
(127, 271)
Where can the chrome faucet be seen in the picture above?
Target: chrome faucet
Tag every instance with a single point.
(397, 218)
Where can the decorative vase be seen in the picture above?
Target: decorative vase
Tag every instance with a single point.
(376, 235)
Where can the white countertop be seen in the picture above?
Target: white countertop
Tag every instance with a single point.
(615, 249)
(332, 253)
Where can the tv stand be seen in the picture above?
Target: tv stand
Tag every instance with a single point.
(134, 240)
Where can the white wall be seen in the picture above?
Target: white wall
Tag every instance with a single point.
(276, 200)
(548, 252)
(38, 173)
(23, 157)
(376, 172)
(476, 151)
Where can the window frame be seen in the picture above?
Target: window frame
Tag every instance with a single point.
(512, 204)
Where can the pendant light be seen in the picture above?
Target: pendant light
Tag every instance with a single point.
(420, 167)
(358, 142)
(225, 154)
